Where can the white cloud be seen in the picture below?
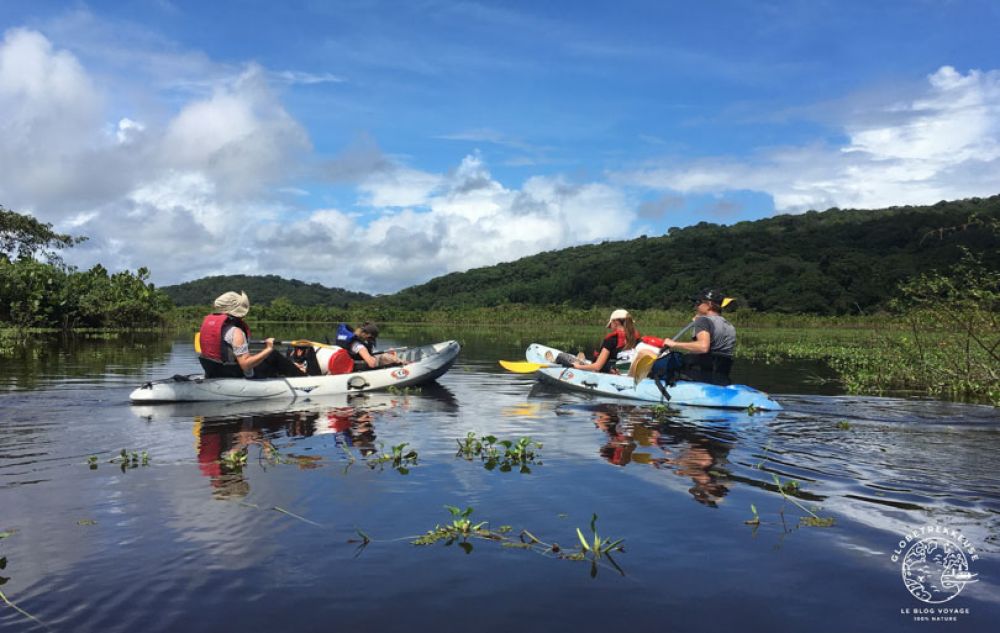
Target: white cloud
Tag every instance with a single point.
(400, 187)
(202, 190)
(469, 220)
(944, 144)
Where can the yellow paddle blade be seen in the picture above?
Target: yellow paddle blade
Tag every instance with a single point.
(197, 342)
(522, 367)
(642, 366)
(727, 301)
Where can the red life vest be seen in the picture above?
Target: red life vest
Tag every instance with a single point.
(213, 347)
(619, 338)
(655, 341)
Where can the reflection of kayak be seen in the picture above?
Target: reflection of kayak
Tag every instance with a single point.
(622, 386)
(425, 364)
(432, 397)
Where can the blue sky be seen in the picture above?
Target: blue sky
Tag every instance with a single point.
(374, 145)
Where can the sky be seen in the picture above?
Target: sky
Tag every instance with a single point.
(375, 145)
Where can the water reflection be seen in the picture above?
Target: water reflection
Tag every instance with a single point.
(687, 442)
(226, 431)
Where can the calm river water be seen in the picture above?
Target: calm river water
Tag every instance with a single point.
(188, 541)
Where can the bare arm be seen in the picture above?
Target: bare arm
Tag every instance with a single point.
(249, 361)
(366, 356)
(700, 345)
(598, 364)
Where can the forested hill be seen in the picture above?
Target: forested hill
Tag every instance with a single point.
(832, 262)
(262, 289)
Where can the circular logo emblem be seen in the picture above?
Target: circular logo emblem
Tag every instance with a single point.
(935, 569)
(402, 372)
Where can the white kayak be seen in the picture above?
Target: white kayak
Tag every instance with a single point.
(424, 365)
(684, 392)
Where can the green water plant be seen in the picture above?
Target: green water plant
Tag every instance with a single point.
(596, 548)
(234, 460)
(462, 529)
(788, 491)
(124, 459)
(502, 454)
(398, 458)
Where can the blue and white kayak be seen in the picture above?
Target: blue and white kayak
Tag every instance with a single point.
(698, 394)
(424, 365)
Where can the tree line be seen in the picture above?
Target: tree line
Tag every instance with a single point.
(839, 261)
(835, 262)
(37, 289)
(262, 289)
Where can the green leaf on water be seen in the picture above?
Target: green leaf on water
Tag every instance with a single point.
(4, 535)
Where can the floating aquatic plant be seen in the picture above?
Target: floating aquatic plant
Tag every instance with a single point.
(502, 454)
(462, 529)
(398, 458)
(235, 460)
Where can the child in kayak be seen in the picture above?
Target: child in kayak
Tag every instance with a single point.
(623, 337)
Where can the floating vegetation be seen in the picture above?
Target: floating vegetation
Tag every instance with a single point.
(596, 549)
(460, 530)
(502, 454)
(789, 490)
(125, 460)
(235, 460)
(844, 425)
(398, 458)
(86, 522)
(789, 487)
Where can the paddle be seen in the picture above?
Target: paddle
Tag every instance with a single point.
(296, 343)
(524, 367)
(197, 343)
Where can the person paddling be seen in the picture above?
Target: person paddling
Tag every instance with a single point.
(623, 336)
(225, 344)
(708, 356)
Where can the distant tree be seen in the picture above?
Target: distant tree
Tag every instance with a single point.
(24, 237)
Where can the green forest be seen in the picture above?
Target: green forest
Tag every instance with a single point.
(831, 263)
(262, 289)
(826, 263)
(38, 290)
